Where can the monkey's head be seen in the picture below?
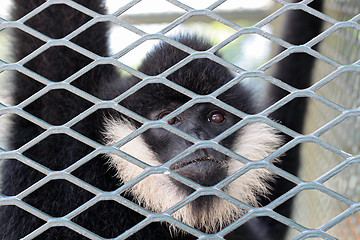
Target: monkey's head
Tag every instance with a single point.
(203, 122)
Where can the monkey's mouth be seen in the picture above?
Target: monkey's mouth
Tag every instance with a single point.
(181, 164)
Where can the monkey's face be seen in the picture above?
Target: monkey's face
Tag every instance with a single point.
(205, 166)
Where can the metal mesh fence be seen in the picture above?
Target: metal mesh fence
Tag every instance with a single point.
(301, 231)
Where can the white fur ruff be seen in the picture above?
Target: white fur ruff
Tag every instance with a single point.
(157, 193)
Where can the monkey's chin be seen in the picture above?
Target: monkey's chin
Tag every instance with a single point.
(206, 172)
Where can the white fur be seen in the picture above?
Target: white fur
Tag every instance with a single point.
(157, 193)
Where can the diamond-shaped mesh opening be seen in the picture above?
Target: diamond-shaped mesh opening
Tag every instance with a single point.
(62, 113)
(34, 130)
(88, 170)
(37, 20)
(202, 24)
(298, 103)
(159, 57)
(70, 64)
(4, 121)
(314, 157)
(96, 70)
(141, 107)
(340, 85)
(313, 203)
(83, 41)
(284, 18)
(71, 149)
(136, 15)
(295, 70)
(25, 216)
(345, 181)
(251, 14)
(342, 38)
(206, 72)
(286, 184)
(134, 56)
(68, 195)
(9, 96)
(107, 209)
(6, 40)
(6, 139)
(247, 86)
(206, 67)
(5, 91)
(25, 183)
(249, 51)
(344, 142)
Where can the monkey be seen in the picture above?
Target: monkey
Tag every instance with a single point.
(171, 140)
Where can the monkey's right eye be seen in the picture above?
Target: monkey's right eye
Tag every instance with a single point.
(171, 121)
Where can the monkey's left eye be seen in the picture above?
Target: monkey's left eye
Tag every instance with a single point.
(216, 117)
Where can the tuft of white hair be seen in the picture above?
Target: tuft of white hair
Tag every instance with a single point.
(157, 192)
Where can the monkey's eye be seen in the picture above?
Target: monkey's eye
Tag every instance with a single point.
(216, 117)
(171, 121)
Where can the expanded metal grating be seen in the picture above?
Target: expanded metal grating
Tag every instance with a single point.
(339, 67)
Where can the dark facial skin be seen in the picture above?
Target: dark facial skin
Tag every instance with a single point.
(203, 121)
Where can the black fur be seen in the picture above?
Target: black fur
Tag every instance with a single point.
(56, 152)
(295, 70)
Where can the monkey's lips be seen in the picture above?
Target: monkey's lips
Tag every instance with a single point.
(181, 164)
(206, 171)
